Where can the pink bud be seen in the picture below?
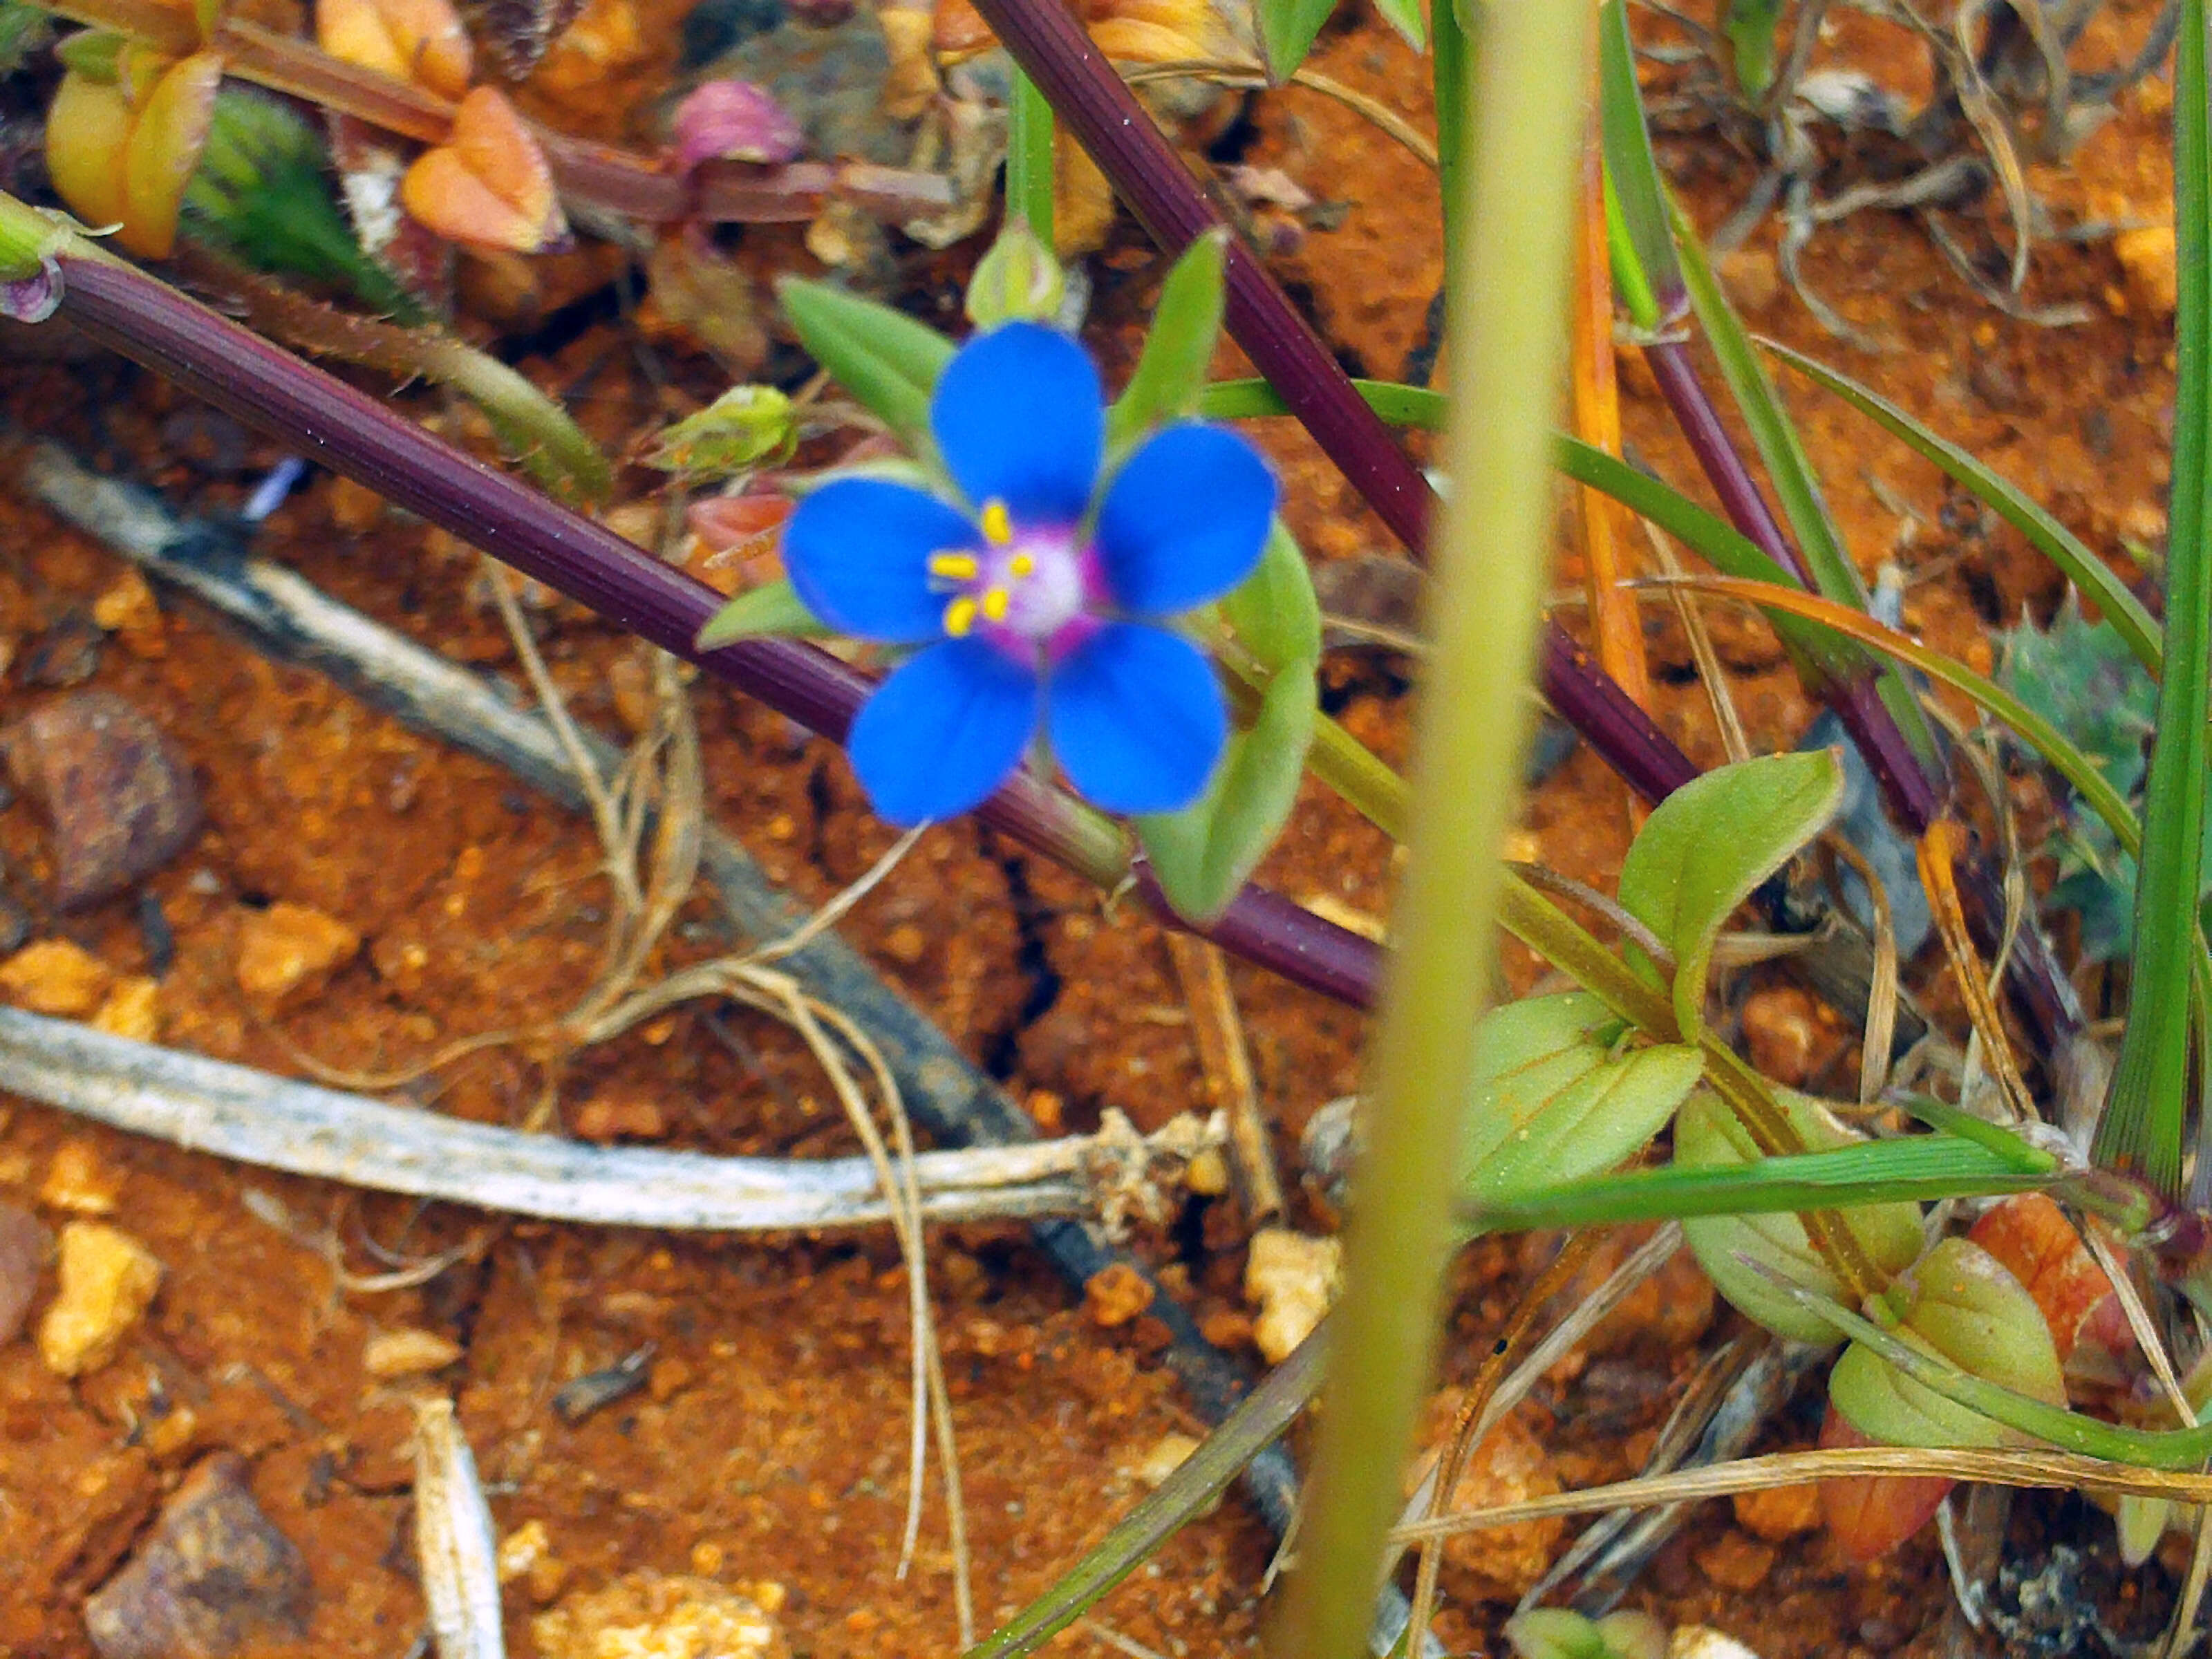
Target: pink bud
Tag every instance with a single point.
(733, 121)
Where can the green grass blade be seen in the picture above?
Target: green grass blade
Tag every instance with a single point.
(1258, 1420)
(1645, 274)
(2141, 1131)
(1028, 157)
(2044, 534)
(1872, 1172)
(1787, 467)
(2037, 734)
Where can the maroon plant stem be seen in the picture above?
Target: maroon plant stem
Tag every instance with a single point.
(353, 434)
(1054, 50)
(1717, 455)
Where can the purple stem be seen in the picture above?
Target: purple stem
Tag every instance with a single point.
(360, 438)
(1717, 455)
(1054, 50)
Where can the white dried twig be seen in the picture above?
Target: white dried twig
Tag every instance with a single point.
(453, 1543)
(250, 1117)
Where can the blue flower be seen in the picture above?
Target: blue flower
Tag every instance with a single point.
(1039, 610)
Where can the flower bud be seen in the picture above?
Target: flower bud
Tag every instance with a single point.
(1017, 281)
(745, 424)
(733, 121)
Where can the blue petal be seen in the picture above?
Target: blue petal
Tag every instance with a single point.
(857, 551)
(1136, 719)
(1019, 417)
(1184, 521)
(944, 731)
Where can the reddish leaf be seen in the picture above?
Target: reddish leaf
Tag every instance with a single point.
(1871, 1515)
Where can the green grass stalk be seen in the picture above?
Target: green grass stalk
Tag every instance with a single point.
(2141, 1133)
(1508, 323)
(1028, 157)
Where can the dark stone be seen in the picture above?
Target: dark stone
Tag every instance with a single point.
(216, 1578)
(119, 798)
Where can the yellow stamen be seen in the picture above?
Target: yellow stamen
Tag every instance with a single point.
(997, 523)
(959, 618)
(1021, 565)
(954, 566)
(995, 600)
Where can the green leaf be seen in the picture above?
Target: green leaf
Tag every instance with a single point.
(2121, 609)
(883, 357)
(1406, 17)
(1203, 853)
(1555, 1097)
(1960, 1304)
(2169, 1449)
(1710, 843)
(1639, 235)
(1272, 612)
(1709, 1136)
(1287, 29)
(1749, 26)
(1186, 324)
(2142, 1126)
(773, 608)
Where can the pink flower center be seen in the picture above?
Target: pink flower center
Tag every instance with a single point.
(1028, 589)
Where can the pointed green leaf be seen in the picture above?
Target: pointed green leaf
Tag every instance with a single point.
(1710, 843)
(1288, 29)
(1397, 403)
(1959, 1303)
(1556, 1097)
(1273, 613)
(773, 608)
(1203, 853)
(1638, 232)
(883, 357)
(1749, 26)
(1179, 348)
(743, 427)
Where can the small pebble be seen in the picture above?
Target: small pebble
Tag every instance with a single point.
(107, 1282)
(1509, 1467)
(632, 1117)
(289, 952)
(648, 1615)
(23, 1256)
(1291, 1279)
(216, 1578)
(1117, 1294)
(1782, 1034)
(1703, 1641)
(128, 609)
(55, 976)
(1778, 1512)
(80, 1181)
(118, 797)
(1735, 1562)
(1169, 1453)
(2148, 257)
(522, 1549)
(409, 1351)
(133, 1010)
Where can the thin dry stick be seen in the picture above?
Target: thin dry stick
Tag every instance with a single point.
(1939, 851)
(1729, 723)
(1228, 1066)
(1878, 1031)
(2064, 1471)
(1572, 1258)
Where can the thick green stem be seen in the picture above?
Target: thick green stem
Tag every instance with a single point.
(1029, 158)
(2141, 1131)
(1509, 332)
